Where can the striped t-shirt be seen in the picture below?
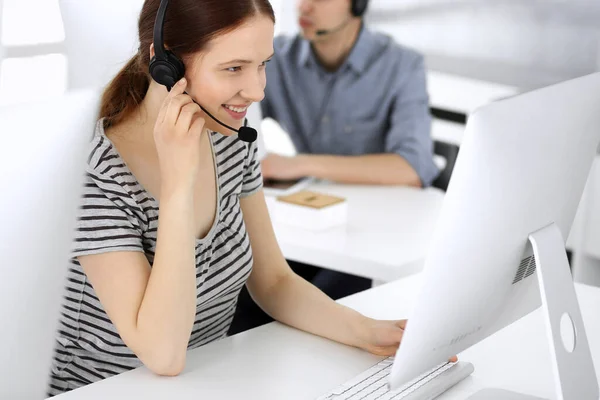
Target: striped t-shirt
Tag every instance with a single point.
(117, 214)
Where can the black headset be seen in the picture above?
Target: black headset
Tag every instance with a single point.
(359, 7)
(167, 69)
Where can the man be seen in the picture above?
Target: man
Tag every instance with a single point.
(353, 101)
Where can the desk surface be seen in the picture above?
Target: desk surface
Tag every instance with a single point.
(386, 236)
(278, 362)
(465, 95)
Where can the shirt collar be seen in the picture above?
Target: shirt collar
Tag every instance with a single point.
(362, 50)
(305, 56)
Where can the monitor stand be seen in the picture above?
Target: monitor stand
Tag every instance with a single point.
(574, 375)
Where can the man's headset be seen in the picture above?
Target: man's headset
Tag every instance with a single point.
(358, 8)
(167, 69)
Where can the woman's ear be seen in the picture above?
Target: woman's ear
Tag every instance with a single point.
(152, 50)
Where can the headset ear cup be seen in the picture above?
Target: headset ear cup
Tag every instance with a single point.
(162, 72)
(167, 72)
(177, 64)
(359, 7)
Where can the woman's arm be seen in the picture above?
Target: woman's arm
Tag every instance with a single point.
(153, 309)
(292, 300)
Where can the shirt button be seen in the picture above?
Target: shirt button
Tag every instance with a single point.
(325, 119)
(348, 129)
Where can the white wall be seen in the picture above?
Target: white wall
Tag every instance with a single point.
(598, 54)
(527, 43)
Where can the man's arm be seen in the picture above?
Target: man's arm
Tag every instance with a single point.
(409, 135)
(377, 169)
(372, 169)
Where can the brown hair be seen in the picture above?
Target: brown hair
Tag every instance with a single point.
(189, 26)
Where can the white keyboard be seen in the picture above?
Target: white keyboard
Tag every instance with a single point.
(373, 383)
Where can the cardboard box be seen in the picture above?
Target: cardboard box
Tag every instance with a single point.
(311, 210)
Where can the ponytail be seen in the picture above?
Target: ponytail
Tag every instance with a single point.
(125, 92)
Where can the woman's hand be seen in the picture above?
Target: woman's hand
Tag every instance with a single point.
(177, 133)
(383, 338)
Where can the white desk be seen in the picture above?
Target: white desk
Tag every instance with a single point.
(278, 362)
(447, 131)
(461, 94)
(385, 238)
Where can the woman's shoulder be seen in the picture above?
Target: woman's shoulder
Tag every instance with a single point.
(108, 178)
(104, 164)
(100, 150)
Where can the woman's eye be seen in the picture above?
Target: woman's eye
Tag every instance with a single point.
(234, 69)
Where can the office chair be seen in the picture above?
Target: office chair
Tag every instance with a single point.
(449, 152)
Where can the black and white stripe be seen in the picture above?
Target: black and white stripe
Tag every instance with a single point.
(117, 214)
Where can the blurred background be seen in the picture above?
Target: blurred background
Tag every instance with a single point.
(525, 43)
(522, 43)
(476, 51)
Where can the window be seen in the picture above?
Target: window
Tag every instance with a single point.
(31, 22)
(33, 66)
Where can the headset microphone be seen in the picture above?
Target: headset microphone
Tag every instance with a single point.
(245, 133)
(323, 32)
(167, 69)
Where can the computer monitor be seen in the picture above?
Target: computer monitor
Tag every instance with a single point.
(501, 233)
(42, 165)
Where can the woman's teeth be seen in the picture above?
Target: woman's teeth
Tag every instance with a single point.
(236, 109)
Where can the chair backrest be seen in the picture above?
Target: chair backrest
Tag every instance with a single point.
(42, 164)
(100, 37)
(449, 152)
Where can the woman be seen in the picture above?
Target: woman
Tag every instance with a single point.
(173, 221)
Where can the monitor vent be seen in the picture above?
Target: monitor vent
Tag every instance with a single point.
(522, 269)
(531, 268)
